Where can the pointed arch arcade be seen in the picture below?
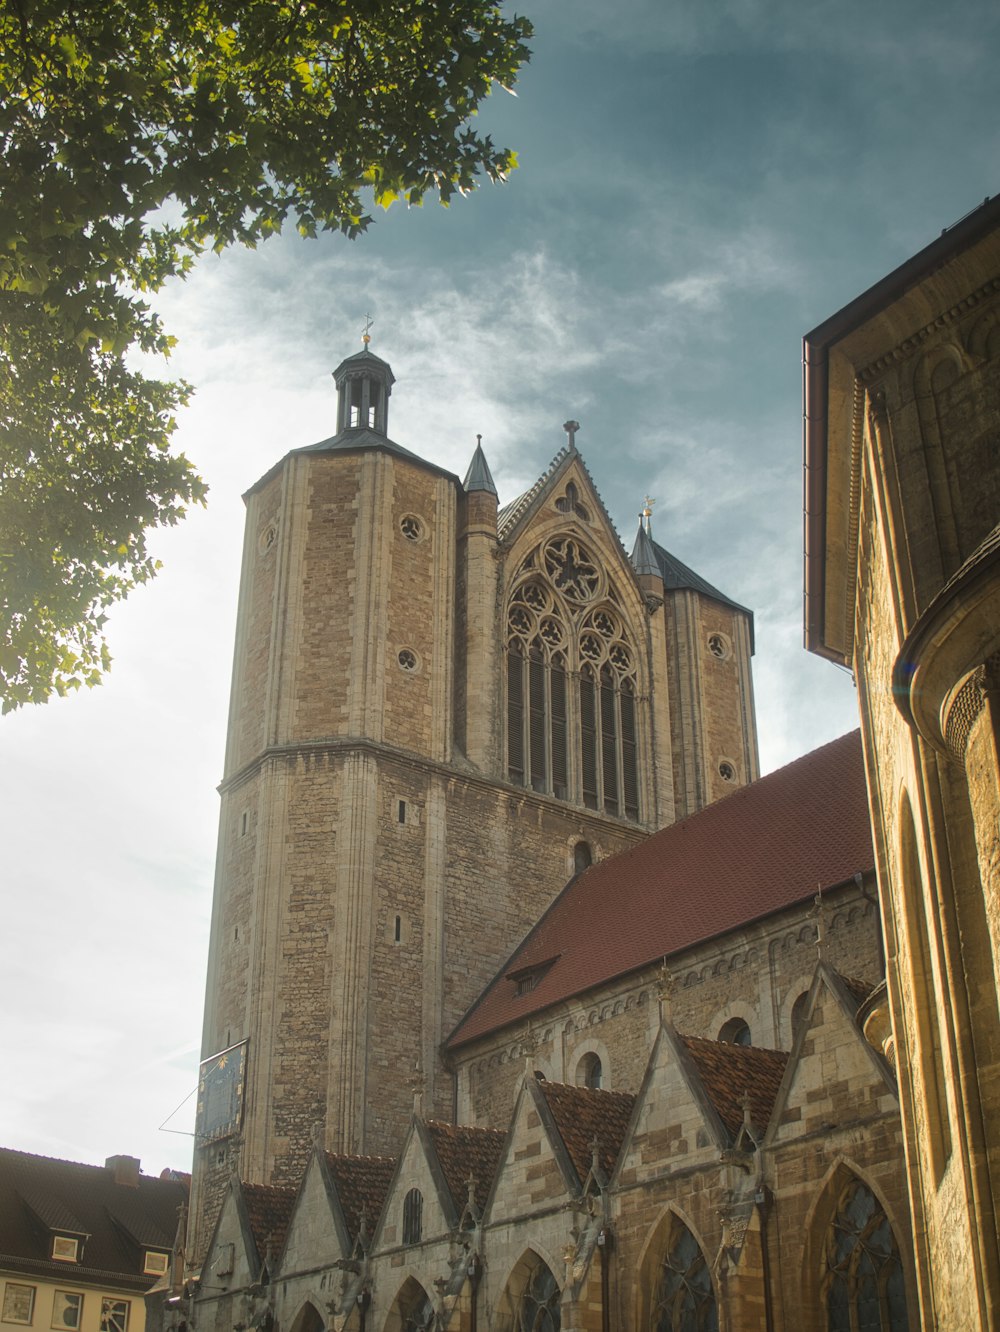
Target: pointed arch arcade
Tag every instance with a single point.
(572, 682)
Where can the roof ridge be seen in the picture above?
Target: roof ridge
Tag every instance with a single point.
(803, 824)
(511, 513)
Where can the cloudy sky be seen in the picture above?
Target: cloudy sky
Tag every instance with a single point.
(700, 184)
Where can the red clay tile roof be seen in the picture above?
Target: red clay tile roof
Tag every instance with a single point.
(270, 1210)
(730, 1072)
(362, 1183)
(40, 1195)
(583, 1113)
(463, 1151)
(766, 847)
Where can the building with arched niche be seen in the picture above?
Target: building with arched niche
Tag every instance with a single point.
(903, 587)
(441, 710)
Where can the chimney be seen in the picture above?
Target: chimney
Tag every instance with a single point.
(125, 1170)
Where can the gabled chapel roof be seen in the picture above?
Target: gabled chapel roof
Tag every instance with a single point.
(463, 1150)
(582, 1114)
(766, 847)
(269, 1210)
(362, 1184)
(729, 1073)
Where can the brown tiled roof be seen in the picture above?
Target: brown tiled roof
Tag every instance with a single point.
(270, 1210)
(766, 847)
(463, 1151)
(362, 1183)
(730, 1072)
(858, 989)
(40, 1195)
(583, 1113)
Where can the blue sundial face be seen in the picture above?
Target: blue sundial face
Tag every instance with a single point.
(220, 1094)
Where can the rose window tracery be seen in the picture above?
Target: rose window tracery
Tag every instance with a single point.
(572, 570)
(571, 683)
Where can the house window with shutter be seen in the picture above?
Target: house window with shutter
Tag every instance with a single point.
(571, 683)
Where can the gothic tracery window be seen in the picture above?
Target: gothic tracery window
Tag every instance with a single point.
(413, 1310)
(532, 1298)
(572, 717)
(864, 1277)
(685, 1300)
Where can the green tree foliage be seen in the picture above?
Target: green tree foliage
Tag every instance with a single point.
(135, 134)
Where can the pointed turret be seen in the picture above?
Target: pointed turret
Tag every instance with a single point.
(478, 476)
(643, 557)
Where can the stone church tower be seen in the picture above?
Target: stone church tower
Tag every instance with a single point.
(440, 711)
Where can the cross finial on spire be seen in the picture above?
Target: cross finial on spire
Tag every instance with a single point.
(366, 335)
(646, 514)
(571, 427)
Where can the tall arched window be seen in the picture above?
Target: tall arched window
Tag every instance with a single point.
(864, 1277)
(572, 723)
(685, 1300)
(413, 1216)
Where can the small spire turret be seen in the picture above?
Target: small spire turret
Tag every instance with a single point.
(478, 476)
(644, 560)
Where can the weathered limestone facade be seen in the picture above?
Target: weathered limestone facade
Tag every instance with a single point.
(903, 586)
(400, 802)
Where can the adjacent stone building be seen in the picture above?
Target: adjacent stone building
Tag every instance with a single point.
(903, 586)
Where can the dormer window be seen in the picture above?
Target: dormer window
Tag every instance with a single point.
(526, 978)
(155, 1264)
(65, 1249)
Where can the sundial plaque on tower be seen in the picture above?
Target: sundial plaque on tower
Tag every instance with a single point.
(220, 1094)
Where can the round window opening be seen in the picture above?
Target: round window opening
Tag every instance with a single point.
(718, 645)
(407, 660)
(411, 527)
(726, 771)
(267, 538)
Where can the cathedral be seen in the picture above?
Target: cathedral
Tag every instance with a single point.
(531, 1006)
